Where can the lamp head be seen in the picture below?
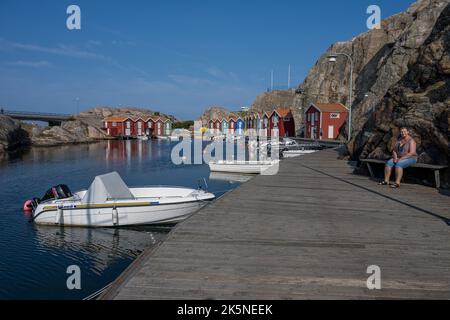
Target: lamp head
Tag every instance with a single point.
(332, 58)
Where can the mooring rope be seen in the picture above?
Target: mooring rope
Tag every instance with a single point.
(98, 292)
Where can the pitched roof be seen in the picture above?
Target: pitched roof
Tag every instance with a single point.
(330, 107)
(116, 119)
(283, 112)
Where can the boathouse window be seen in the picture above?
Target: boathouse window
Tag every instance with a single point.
(149, 124)
(335, 116)
(312, 117)
(114, 124)
(317, 116)
(309, 117)
(159, 125)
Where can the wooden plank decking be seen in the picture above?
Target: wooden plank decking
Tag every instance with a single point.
(309, 232)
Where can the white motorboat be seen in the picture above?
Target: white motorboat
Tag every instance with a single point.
(296, 153)
(247, 167)
(174, 138)
(179, 134)
(285, 142)
(290, 151)
(110, 203)
(143, 138)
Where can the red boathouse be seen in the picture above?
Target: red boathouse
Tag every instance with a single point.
(325, 120)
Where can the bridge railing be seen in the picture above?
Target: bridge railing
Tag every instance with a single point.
(43, 114)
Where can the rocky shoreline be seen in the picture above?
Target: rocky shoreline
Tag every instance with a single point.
(84, 128)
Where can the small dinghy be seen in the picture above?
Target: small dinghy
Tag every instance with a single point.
(110, 203)
(246, 167)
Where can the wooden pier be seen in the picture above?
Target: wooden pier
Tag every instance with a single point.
(309, 232)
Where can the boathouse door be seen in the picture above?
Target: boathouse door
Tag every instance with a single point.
(313, 132)
(128, 128)
(330, 132)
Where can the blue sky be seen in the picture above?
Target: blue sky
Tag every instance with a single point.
(178, 57)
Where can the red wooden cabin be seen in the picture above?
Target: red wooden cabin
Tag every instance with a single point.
(283, 120)
(118, 126)
(325, 120)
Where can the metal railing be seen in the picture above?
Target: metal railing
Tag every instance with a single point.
(30, 113)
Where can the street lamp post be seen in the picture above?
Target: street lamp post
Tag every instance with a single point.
(332, 58)
(78, 103)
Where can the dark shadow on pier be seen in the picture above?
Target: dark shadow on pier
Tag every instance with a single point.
(435, 215)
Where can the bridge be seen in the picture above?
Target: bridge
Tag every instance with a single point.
(53, 119)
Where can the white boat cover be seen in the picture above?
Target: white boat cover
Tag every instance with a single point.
(107, 187)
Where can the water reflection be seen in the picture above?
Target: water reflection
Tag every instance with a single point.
(230, 177)
(34, 258)
(101, 247)
(135, 150)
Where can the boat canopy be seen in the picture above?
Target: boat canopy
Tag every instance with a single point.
(107, 187)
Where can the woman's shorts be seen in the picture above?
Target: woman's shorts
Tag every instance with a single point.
(402, 164)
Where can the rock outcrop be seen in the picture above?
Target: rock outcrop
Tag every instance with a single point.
(102, 112)
(419, 101)
(401, 78)
(385, 60)
(12, 135)
(80, 130)
(215, 112)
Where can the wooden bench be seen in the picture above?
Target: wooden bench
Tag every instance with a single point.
(435, 168)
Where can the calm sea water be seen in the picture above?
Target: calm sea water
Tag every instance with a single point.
(34, 259)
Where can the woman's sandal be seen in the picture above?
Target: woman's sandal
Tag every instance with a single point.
(395, 186)
(383, 183)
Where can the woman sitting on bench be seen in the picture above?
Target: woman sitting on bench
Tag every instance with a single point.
(404, 156)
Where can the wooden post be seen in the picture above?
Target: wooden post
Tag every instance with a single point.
(437, 179)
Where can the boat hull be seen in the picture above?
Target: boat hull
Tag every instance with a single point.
(125, 216)
(245, 167)
(297, 153)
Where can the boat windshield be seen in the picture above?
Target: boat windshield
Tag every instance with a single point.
(57, 192)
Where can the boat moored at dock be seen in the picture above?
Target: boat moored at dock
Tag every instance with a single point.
(110, 203)
(246, 167)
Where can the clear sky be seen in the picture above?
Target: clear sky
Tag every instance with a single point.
(178, 57)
